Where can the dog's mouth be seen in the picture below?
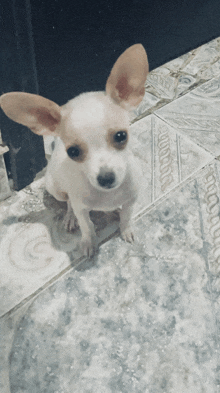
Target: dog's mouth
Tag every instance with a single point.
(106, 179)
(106, 188)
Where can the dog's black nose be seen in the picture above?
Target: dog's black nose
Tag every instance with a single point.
(106, 179)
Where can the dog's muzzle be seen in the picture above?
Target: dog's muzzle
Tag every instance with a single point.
(106, 179)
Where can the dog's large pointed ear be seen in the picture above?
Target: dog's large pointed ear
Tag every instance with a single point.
(126, 82)
(39, 114)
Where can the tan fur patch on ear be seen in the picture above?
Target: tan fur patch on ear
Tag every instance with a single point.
(46, 118)
(123, 88)
(126, 81)
(39, 114)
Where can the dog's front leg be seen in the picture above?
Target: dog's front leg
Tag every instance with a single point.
(70, 221)
(88, 244)
(126, 221)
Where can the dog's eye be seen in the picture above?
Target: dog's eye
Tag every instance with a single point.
(120, 137)
(74, 152)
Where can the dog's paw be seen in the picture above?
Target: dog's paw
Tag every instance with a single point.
(127, 235)
(70, 222)
(88, 246)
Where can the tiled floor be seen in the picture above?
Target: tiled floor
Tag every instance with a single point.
(141, 318)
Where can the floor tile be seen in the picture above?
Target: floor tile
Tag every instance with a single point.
(137, 318)
(197, 115)
(179, 76)
(166, 157)
(203, 57)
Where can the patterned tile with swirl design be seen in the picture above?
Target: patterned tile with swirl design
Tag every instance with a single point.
(34, 246)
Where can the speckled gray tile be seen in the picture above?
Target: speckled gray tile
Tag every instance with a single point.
(137, 318)
(197, 115)
(7, 331)
(179, 76)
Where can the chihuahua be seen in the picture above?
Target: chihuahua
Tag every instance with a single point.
(92, 166)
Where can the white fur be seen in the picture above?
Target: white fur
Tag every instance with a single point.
(89, 119)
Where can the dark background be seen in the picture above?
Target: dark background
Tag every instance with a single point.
(60, 48)
(77, 43)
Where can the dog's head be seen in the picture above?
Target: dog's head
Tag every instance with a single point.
(94, 127)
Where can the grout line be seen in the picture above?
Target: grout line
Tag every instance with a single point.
(38, 291)
(181, 133)
(179, 163)
(152, 159)
(159, 200)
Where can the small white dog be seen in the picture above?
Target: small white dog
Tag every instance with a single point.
(92, 166)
